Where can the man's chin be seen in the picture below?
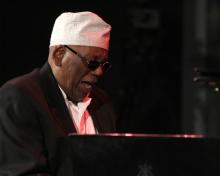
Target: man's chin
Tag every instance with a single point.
(83, 96)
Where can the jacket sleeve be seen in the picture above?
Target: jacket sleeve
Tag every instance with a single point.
(22, 150)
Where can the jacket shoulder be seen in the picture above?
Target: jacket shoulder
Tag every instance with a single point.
(27, 84)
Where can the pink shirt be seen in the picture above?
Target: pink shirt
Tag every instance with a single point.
(81, 118)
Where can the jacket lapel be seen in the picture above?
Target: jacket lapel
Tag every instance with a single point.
(95, 109)
(95, 118)
(55, 100)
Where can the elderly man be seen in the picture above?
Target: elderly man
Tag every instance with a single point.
(58, 99)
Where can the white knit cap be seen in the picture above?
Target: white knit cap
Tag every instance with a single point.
(82, 28)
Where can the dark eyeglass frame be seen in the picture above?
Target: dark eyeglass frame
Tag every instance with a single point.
(92, 64)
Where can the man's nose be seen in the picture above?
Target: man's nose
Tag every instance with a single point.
(98, 71)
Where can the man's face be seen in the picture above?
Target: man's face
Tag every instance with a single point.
(75, 78)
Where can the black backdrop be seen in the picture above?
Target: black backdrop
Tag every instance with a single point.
(145, 49)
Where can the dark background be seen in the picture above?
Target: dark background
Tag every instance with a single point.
(153, 50)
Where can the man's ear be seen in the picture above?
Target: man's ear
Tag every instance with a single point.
(58, 55)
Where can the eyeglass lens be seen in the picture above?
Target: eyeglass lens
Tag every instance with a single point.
(92, 65)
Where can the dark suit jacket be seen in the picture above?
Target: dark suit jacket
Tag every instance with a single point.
(33, 116)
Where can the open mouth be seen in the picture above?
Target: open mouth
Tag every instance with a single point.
(87, 84)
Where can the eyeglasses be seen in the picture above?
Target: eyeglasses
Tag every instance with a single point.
(92, 64)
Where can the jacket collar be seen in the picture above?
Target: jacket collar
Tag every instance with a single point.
(55, 99)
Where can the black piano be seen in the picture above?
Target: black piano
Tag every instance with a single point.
(139, 155)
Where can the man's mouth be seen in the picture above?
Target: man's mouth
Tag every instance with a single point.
(87, 84)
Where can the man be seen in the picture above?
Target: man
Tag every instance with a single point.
(59, 99)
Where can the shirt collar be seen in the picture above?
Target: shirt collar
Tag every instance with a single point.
(84, 104)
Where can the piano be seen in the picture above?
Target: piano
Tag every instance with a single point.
(139, 155)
